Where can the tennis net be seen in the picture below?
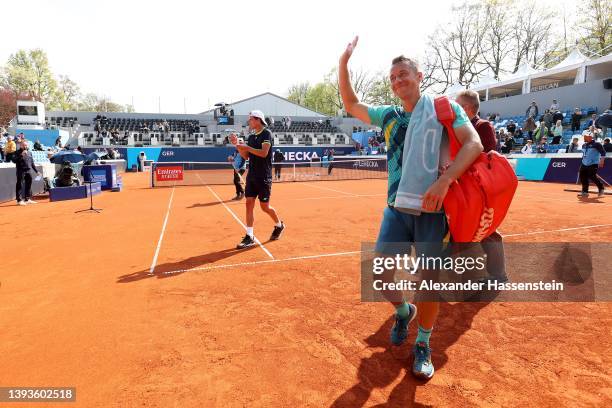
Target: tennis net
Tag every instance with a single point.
(215, 173)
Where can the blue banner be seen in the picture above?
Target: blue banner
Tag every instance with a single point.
(220, 154)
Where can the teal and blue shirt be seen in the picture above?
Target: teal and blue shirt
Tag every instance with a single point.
(592, 152)
(394, 120)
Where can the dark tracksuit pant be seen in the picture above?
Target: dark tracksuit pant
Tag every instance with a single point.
(589, 173)
(23, 187)
(237, 183)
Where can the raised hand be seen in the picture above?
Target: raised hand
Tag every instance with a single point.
(349, 50)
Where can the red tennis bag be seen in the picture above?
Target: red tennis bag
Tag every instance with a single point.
(476, 203)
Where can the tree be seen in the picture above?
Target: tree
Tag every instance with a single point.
(454, 49)
(596, 25)
(533, 35)
(67, 94)
(381, 93)
(8, 106)
(297, 93)
(27, 72)
(94, 103)
(321, 98)
(494, 46)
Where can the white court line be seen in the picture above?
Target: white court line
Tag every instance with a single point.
(296, 258)
(342, 196)
(239, 222)
(544, 197)
(558, 230)
(161, 235)
(331, 189)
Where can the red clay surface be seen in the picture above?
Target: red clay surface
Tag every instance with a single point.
(79, 308)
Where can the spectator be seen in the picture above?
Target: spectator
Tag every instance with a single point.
(557, 133)
(278, 158)
(508, 144)
(592, 122)
(604, 122)
(573, 147)
(557, 115)
(511, 127)
(607, 145)
(3, 140)
(548, 119)
(554, 106)
(518, 133)
(65, 176)
(532, 110)
(24, 166)
(58, 142)
(541, 131)
(470, 102)
(529, 127)
(541, 146)
(576, 117)
(528, 148)
(10, 149)
(37, 146)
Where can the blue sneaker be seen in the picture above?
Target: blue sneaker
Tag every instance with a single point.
(399, 331)
(422, 367)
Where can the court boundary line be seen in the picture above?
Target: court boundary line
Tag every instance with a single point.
(161, 235)
(331, 189)
(557, 230)
(239, 221)
(267, 261)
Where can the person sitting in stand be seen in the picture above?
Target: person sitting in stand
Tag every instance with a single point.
(508, 144)
(511, 127)
(541, 146)
(528, 148)
(65, 176)
(37, 146)
(557, 133)
(573, 147)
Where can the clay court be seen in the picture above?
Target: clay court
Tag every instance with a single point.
(279, 324)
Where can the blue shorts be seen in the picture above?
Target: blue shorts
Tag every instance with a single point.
(400, 231)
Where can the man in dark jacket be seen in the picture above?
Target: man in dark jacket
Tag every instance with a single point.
(493, 245)
(24, 166)
(576, 117)
(278, 158)
(532, 110)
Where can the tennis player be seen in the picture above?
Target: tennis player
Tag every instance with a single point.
(239, 167)
(258, 150)
(399, 227)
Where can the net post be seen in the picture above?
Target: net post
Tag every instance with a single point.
(294, 175)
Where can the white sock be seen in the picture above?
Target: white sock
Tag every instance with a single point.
(250, 231)
(279, 224)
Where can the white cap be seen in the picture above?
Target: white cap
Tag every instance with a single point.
(258, 114)
(587, 133)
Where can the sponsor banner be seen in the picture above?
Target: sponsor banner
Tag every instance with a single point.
(563, 170)
(169, 173)
(293, 154)
(365, 164)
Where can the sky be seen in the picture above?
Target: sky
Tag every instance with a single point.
(184, 56)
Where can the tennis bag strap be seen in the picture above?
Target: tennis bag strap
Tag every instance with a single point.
(478, 201)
